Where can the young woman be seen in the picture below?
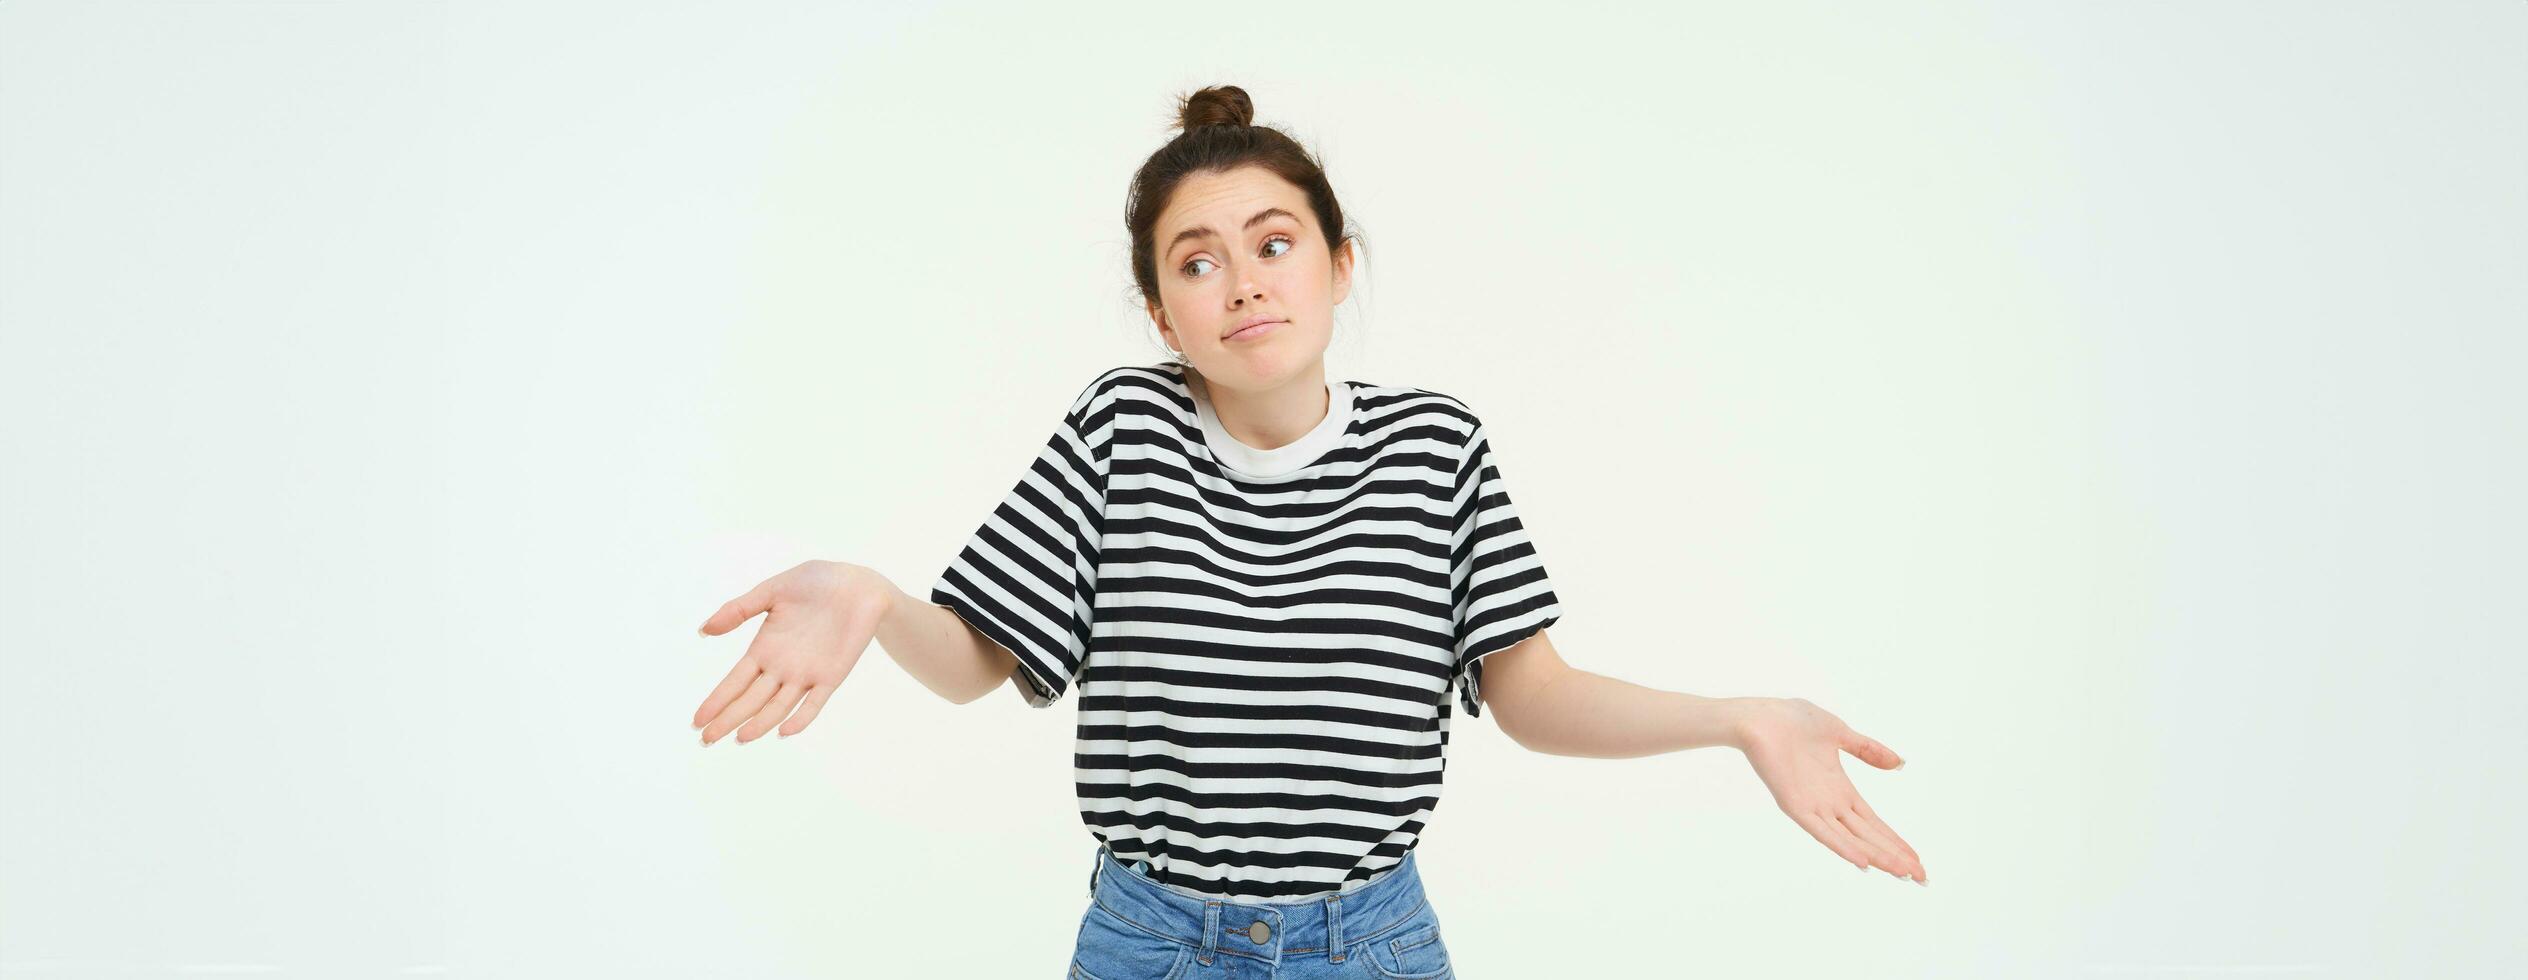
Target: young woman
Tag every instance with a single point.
(1266, 587)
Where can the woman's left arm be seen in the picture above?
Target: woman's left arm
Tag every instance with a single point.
(1548, 706)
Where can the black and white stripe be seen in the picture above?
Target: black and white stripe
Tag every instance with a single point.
(1263, 664)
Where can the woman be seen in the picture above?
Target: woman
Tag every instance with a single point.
(1266, 587)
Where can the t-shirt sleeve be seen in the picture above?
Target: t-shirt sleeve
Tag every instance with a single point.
(1502, 593)
(1027, 578)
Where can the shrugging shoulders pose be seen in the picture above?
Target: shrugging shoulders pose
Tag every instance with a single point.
(1272, 592)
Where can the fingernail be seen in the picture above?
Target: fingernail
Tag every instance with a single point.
(1900, 765)
(706, 741)
(697, 631)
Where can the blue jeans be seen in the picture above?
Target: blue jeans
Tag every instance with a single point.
(1139, 929)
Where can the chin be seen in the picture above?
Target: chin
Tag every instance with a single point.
(1269, 362)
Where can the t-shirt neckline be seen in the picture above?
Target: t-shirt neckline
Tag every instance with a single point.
(1284, 461)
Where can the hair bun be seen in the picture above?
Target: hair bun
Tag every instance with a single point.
(1218, 105)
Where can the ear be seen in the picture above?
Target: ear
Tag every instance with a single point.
(1158, 318)
(1343, 272)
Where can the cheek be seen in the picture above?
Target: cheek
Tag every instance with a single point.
(1174, 300)
(1190, 295)
(1302, 287)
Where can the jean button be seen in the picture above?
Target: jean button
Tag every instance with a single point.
(1259, 932)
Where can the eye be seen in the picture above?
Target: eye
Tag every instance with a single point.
(1188, 267)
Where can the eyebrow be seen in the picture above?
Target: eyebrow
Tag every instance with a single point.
(1204, 231)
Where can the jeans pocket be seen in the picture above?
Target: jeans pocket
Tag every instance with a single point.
(1413, 951)
(1111, 947)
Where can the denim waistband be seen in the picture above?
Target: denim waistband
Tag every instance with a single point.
(1324, 926)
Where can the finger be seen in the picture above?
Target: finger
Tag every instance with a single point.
(730, 687)
(807, 709)
(744, 708)
(1836, 839)
(1869, 750)
(1880, 858)
(739, 610)
(778, 708)
(1920, 873)
(1893, 858)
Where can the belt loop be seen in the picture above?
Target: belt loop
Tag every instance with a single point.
(1211, 931)
(1334, 926)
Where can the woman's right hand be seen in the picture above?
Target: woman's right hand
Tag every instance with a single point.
(822, 614)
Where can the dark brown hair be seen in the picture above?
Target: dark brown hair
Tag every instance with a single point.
(1217, 135)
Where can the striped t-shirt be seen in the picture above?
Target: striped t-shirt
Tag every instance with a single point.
(1264, 641)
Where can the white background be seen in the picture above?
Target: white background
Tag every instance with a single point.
(2113, 408)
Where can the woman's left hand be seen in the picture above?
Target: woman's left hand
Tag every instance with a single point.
(1796, 748)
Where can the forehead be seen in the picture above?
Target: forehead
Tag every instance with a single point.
(1223, 201)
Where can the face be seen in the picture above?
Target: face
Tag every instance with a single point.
(1236, 245)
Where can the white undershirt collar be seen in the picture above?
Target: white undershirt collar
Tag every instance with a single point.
(1266, 463)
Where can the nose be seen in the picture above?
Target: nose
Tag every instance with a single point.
(1248, 288)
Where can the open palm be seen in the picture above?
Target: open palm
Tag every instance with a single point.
(818, 619)
(1796, 748)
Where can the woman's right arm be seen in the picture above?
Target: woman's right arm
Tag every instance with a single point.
(819, 617)
(940, 649)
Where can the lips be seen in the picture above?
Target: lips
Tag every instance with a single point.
(1253, 326)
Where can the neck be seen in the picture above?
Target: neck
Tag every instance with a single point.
(1273, 417)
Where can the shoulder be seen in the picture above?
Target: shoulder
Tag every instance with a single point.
(1120, 381)
(1421, 407)
(1130, 391)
